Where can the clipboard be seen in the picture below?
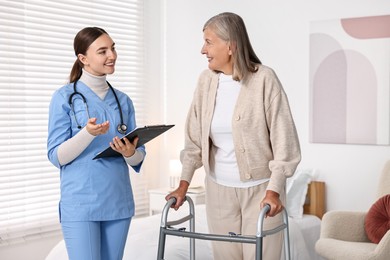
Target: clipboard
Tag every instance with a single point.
(144, 134)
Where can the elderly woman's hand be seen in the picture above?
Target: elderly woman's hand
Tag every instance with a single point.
(179, 194)
(272, 198)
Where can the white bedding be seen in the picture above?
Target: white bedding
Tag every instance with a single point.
(142, 241)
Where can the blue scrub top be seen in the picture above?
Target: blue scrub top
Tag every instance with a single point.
(91, 190)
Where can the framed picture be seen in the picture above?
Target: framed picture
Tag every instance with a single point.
(350, 81)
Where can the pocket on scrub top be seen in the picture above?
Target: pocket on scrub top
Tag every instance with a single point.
(79, 118)
(80, 114)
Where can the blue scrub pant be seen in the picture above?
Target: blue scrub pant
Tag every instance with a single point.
(95, 240)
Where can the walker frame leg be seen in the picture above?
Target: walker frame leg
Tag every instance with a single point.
(165, 229)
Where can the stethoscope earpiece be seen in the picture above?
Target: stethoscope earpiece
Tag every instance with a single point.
(122, 128)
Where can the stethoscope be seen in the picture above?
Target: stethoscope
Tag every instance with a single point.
(121, 127)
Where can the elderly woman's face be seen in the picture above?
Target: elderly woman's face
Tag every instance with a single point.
(218, 52)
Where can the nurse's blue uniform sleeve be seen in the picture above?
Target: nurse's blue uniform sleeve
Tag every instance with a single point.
(132, 123)
(137, 167)
(59, 126)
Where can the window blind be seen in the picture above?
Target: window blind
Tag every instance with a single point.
(36, 56)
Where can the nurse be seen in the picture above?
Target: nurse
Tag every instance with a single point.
(86, 115)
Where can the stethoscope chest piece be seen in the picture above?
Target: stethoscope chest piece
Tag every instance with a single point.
(122, 128)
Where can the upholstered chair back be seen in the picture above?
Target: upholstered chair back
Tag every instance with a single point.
(384, 181)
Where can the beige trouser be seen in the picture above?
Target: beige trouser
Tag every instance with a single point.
(237, 210)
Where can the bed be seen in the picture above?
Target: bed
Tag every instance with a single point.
(142, 241)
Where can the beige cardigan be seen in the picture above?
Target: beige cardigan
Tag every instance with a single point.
(264, 135)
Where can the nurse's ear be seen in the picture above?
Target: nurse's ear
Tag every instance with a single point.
(83, 59)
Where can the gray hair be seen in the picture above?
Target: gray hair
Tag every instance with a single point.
(231, 28)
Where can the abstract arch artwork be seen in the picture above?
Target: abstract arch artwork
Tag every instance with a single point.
(350, 81)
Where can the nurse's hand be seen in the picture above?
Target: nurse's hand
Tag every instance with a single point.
(97, 129)
(126, 148)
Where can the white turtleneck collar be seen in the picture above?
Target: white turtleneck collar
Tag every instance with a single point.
(97, 84)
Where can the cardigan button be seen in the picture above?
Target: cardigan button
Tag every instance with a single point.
(237, 118)
(247, 176)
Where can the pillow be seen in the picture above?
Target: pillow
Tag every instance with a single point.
(296, 189)
(377, 221)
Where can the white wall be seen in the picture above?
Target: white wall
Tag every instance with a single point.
(279, 31)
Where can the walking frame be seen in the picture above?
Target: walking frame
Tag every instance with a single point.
(166, 228)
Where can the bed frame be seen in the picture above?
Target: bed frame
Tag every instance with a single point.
(315, 199)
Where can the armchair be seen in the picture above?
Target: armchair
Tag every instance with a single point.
(343, 235)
